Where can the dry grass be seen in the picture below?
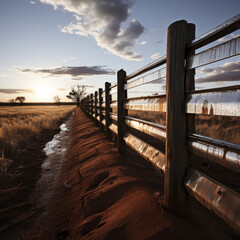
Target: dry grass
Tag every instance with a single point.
(18, 124)
(218, 127)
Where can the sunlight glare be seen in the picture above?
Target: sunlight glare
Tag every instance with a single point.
(44, 92)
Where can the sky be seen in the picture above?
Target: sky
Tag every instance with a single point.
(49, 46)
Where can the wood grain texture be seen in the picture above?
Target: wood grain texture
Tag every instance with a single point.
(121, 95)
(175, 195)
(100, 107)
(95, 106)
(107, 109)
(91, 97)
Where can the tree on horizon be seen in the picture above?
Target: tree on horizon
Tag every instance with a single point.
(77, 93)
(57, 99)
(20, 99)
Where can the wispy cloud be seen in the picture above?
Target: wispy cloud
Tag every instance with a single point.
(156, 56)
(103, 21)
(32, 2)
(61, 89)
(3, 75)
(229, 71)
(143, 43)
(75, 72)
(15, 91)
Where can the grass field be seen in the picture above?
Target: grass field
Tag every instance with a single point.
(18, 124)
(218, 127)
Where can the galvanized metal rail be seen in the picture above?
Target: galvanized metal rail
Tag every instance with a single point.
(180, 104)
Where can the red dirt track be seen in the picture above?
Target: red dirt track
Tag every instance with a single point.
(104, 195)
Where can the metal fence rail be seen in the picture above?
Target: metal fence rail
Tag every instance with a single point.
(109, 109)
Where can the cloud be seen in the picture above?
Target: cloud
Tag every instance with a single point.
(32, 2)
(77, 78)
(74, 72)
(3, 75)
(15, 91)
(88, 86)
(156, 56)
(143, 43)
(229, 71)
(103, 20)
(61, 89)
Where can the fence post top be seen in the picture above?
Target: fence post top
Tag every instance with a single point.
(121, 71)
(179, 22)
(107, 84)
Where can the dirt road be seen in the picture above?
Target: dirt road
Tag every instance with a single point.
(88, 191)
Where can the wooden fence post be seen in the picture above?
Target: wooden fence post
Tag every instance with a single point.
(88, 108)
(107, 108)
(100, 107)
(91, 97)
(121, 95)
(95, 106)
(175, 195)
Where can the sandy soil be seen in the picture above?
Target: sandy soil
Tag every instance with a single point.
(99, 194)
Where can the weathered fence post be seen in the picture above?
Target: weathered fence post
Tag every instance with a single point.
(100, 107)
(88, 107)
(175, 195)
(91, 97)
(189, 86)
(121, 95)
(107, 108)
(96, 110)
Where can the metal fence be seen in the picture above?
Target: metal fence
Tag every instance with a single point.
(109, 108)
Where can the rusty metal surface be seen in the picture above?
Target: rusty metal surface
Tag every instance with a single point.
(225, 103)
(222, 51)
(156, 157)
(220, 200)
(157, 75)
(113, 127)
(155, 130)
(221, 30)
(221, 155)
(158, 104)
(148, 67)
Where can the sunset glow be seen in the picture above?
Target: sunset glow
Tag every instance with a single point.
(73, 42)
(44, 92)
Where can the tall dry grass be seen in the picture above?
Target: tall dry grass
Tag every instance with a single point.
(18, 124)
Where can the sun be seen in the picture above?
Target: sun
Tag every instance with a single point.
(44, 92)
